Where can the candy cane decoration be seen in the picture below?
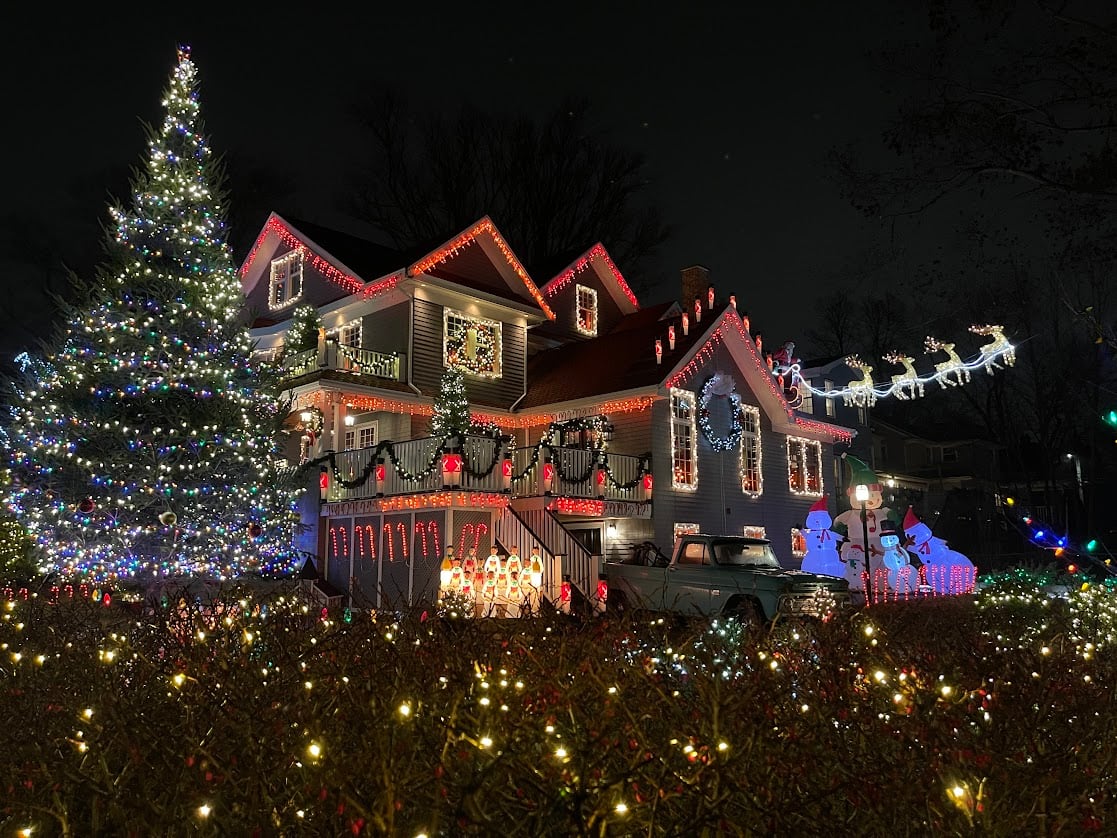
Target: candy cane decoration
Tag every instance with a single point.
(432, 528)
(402, 530)
(344, 541)
(476, 531)
(370, 537)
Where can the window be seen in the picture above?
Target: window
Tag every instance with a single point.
(286, 279)
(950, 455)
(361, 436)
(753, 531)
(806, 405)
(587, 311)
(472, 344)
(862, 416)
(798, 543)
(685, 529)
(828, 386)
(693, 553)
(804, 466)
(752, 482)
(350, 334)
(684, 441)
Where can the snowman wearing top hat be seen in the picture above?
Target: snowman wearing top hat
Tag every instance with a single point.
(858, 555)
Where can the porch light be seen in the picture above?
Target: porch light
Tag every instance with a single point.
(350, 419)
(611, 529)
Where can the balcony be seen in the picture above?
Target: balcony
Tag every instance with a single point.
(331, 355)
(415, 466)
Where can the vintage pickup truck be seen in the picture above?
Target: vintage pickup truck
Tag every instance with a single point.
(714, 575)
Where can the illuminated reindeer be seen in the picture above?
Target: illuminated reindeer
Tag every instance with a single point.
(860, 392)
(952, 365)
(906, 385)
(998, 347)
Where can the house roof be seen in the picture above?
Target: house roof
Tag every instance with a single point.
(621, 360)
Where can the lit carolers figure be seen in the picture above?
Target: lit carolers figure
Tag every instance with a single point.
(822, 543)
(513, 570)
(535, 579)
(946, 571)
(446, 571)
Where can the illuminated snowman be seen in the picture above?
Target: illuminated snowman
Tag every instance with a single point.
(822, 543)
(902, 577)
(849, 524)
(946, 571)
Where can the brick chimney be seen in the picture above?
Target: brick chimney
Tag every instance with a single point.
(696, 282)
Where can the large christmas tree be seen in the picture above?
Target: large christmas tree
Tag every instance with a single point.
(142, 443)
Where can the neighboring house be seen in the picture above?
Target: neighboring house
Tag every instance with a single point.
(951, 480)
(625, 423)
(830, 375)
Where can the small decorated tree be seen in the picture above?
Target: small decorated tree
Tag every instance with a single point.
(451, 407)
(143, 444)
(303, 333)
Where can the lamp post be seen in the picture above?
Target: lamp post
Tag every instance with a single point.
(861, 493)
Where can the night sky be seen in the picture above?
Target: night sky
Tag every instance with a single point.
(733, 110)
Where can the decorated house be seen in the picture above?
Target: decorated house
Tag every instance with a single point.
(596, 423)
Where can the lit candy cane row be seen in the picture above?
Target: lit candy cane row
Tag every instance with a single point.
(476, 531)
(421, 531)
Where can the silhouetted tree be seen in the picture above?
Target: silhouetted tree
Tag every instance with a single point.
(552, 186)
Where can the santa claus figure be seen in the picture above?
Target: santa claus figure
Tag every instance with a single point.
(822, 542)
(862, 558)
(946, 571)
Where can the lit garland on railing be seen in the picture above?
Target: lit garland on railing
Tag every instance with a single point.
(467, 238)
(598, 250)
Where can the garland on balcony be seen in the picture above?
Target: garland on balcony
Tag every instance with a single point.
(387, 448)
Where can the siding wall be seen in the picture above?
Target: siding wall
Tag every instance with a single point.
(427, 365)
(386, 330)
(719, 505)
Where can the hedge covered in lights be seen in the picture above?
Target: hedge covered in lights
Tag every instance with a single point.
(254, 715)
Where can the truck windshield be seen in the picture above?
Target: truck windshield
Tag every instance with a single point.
(739, 551)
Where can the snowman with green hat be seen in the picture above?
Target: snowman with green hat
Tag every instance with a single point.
(855, 552)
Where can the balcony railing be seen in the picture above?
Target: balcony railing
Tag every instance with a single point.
(331, 355)
(417, 467)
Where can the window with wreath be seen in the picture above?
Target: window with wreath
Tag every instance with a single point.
(804, 466)
(684, 441)
(587, 310)
(286, 279)
(471, 344)
(752, 481)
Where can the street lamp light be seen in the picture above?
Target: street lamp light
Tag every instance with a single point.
(861, 494)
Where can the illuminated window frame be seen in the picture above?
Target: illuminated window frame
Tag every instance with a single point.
(753, 531)
(685, 529)
(365, 435)
(806, 405)
(798, 543)
(454, 324)
(585, 310)
(684, 441)
(350, 334)
(804, 466)
(752, 475)
(286, 285)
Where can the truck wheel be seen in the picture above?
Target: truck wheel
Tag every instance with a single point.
(616, 604)
(746, 613)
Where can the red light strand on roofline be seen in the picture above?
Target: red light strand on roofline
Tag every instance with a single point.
(598, 250)
(467, 238)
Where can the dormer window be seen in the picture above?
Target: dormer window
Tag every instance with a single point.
(587, 311)
(472, 344)
(286, 279)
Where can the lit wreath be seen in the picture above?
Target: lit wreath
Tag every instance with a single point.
(720, 385)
